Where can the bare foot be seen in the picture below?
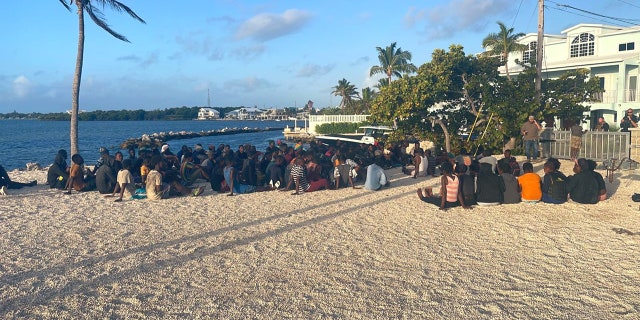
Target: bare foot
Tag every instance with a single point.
(420, 195)
(429, 192)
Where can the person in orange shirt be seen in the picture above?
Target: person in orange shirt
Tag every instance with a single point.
(530, 184)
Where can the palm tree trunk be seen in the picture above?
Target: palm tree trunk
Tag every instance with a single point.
(506, 65)
(75, 97)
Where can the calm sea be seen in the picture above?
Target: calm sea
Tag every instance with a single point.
(23, 141)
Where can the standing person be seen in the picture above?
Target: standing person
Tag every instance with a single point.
(530, 131)
(601, 125)
(628, 121)
(576, 139)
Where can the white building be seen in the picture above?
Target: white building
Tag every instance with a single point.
(208, 114)
(245, 114)
(608, 52)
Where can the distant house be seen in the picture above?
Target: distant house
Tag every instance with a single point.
(273, 114)
(208, 114)
(245, 114)
(609, 53)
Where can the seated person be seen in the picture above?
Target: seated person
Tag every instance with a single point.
(487, 157)
(276, 173)
(189, 171)
(342, 173)
(159, 185)
(467, 177)
(77, 178)
(554, 185)
(301, 182)
(602, 188)
(450, 191)
(583, 185)
(106, 175)
(530, 184)
(489, 186)
(58, 172)
(376, 179)
(511, 161)
(7, 183)
(420, 163)
(512, 189)
(125, 186)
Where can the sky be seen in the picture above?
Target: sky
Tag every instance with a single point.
(267, 54)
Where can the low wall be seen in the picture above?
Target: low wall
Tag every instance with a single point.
(315, 120)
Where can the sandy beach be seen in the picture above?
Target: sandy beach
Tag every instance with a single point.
(348, 254)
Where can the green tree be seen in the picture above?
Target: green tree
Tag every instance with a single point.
(91, 8)
(503, 43)
(393, 62)
(347, 91)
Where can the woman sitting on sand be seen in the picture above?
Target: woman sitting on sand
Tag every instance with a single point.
(77, 179)
(58, 172)
(450, 192)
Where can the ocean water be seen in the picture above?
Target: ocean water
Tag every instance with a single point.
(24, 141)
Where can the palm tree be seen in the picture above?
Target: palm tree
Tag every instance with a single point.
(91, 8)
(367, 97)
(347, 91)
(503, 43)
(393, 62)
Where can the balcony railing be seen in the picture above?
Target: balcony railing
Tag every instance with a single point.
(605, 97)
(631, 95)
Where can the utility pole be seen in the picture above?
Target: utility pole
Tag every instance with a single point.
(539, 50)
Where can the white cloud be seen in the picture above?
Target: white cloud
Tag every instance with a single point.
(445, 21)
(248, 84)
(21, 86)
(268, 26)
(312, 70)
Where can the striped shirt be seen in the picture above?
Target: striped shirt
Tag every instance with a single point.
(300, 173)
(452, 189)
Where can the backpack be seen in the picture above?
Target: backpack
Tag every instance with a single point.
(558, 187)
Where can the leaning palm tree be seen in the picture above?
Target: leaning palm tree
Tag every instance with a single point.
(91, 8)
(393, 62)
(347, 91)
(503, 43)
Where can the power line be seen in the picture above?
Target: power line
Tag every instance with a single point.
(517, 12)
(629, 3)
(623, 20)
(586, 16)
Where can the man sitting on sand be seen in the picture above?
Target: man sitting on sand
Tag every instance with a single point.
(376, 178)
(7, 183)
(157, 189)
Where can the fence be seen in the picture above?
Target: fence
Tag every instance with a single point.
(321, 119)
(598, 146)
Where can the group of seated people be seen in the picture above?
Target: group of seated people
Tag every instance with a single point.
(161, 173)
(486, 181)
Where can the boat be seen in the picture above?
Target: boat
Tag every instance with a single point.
(368, 136)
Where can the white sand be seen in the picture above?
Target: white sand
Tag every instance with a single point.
(327, 254)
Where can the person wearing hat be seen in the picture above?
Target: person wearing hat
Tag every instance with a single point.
(530, 132)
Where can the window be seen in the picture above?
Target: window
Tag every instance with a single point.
(629, 46)
(583, 45)
(529, 54)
